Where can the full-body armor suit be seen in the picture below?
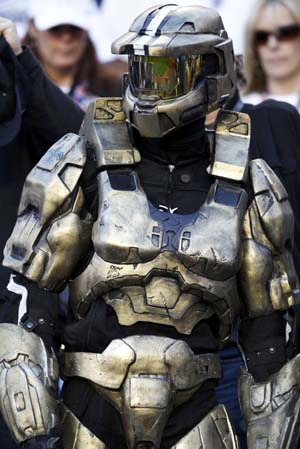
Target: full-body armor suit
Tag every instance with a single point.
(157, 276)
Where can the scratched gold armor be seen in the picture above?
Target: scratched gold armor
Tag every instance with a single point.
(148, 274)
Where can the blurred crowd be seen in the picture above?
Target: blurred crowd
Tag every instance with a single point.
(71, 40)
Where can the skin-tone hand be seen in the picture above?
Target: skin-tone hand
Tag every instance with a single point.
(9, 31)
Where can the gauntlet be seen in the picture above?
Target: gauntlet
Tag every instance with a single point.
(271, 408)
(28, 381)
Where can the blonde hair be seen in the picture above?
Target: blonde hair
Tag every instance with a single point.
(256, 80)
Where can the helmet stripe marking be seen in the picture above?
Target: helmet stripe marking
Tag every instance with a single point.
(162, 23)
(149, 18)
(158, 18)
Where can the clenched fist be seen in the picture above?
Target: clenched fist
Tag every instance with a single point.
(9, 31)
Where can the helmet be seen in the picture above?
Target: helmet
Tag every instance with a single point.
(181, 67)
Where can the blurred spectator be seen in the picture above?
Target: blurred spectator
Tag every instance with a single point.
(234, 15)
(272, 52)
(58, 34)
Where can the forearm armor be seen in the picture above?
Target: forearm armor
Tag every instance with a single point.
(53, 229)
(28, 383)
(271, 409)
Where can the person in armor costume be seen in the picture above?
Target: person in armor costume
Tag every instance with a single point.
(166, 236)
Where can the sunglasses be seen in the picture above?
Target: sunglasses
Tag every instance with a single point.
(282, 34)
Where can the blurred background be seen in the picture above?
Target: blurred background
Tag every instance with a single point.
(72, 39)
(111, 18)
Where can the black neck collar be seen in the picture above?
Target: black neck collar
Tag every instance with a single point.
(177, 148)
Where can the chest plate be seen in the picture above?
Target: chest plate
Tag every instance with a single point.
(153, 267)
(148, 267)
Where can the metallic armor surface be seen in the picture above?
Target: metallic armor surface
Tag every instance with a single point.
(226, 258)
(145, 276)
(268, 282)
(121, 270)
(272, 409)
(169, 31)
(229, 151)
(28, 383)
(268, 279)
(213, 432)
(145, 378)
(51, 232)
(137, 273)
(104, 128)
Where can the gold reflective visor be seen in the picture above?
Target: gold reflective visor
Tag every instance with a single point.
(163, 77)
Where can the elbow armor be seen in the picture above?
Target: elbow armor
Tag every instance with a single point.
(52, 231)
(28, 382)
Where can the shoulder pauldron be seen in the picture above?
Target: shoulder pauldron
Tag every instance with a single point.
(268, 279)
(51, 230)
(104, 128)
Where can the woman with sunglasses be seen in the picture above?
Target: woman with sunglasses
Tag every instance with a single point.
(272, 53)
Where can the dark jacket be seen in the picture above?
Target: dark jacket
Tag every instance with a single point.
(49, 114)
